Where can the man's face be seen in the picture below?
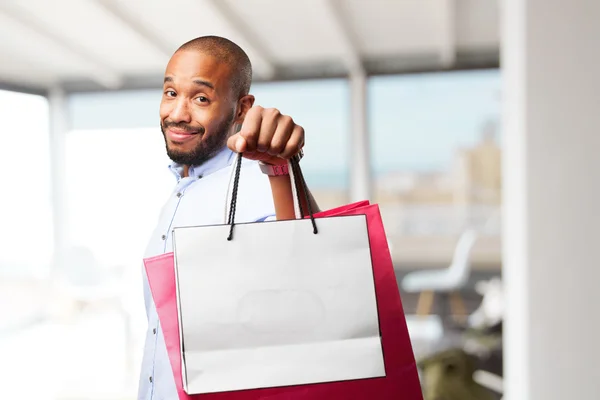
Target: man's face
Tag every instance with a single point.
(197, 109)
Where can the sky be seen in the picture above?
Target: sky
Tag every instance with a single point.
(417, 120)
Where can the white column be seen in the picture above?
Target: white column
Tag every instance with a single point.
(551, 78)
(59, 127)
(360, 164)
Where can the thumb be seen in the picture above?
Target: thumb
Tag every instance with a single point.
(237, 143)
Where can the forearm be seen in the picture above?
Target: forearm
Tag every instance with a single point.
(283, 198)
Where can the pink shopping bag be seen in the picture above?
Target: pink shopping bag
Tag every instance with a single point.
(401, 381)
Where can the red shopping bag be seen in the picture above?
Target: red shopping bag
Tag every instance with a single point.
(401, 381)
(341, 209)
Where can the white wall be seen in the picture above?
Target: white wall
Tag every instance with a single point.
(551, 62)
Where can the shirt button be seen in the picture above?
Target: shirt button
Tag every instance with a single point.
(164, 237)
(178, 194)
(154, 331)
(150, 379)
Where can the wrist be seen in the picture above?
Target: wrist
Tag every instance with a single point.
(273, 170)
(279, 168)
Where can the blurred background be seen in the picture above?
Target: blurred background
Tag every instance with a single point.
(403, 102)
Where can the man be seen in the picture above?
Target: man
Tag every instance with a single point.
(207, 116)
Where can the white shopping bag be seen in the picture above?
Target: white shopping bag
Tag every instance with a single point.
(277, 305)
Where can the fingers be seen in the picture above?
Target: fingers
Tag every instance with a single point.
(268, 131)
(270, 124)
(251, 127)
(237, 143)
(283, 132)
(294, 143)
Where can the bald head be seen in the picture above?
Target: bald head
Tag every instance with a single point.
(229, 53)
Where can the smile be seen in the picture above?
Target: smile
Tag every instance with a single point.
(180, 136)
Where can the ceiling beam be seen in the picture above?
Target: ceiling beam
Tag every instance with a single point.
(154, 40)
(18, 72)
(448, 33)
(345, 33)
(19, 88)
(398, 65)
(241, 28)
(98, 70)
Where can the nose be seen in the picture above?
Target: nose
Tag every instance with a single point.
(180, 112)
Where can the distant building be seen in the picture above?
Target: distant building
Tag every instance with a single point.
(474, 178)
(425, 212)
(477, 171)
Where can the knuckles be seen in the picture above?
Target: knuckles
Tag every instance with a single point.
(272, 113)
(277, 146)
(291, 142)
(286, 121)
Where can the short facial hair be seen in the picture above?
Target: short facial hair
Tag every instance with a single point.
(207, 147)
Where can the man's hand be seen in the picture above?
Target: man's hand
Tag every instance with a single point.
(268, 136)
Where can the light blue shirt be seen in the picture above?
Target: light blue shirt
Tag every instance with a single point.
(198, 199)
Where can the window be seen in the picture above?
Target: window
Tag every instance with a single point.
(322, 108)
(436, 162)
(117, 182)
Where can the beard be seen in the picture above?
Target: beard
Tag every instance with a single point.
(208, 146)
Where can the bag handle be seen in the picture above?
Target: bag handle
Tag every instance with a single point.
(298, 183)
(226, 216)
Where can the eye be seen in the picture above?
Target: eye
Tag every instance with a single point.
(170, 93)
(202, 99)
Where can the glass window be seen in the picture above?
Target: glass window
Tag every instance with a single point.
(436, 162)
(117, 181)
(322, 108)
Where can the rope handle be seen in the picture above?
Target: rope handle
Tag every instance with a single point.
(297, 179)
(228, 200)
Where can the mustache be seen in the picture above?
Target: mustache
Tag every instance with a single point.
(184, 127)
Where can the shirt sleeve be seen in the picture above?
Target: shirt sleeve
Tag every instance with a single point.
(266, 218)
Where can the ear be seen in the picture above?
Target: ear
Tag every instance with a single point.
(244, 104)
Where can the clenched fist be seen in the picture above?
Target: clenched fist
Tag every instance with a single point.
(268, 136)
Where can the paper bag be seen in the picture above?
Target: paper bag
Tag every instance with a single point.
(277, 305)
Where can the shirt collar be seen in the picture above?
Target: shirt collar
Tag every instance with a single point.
(221, 160)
